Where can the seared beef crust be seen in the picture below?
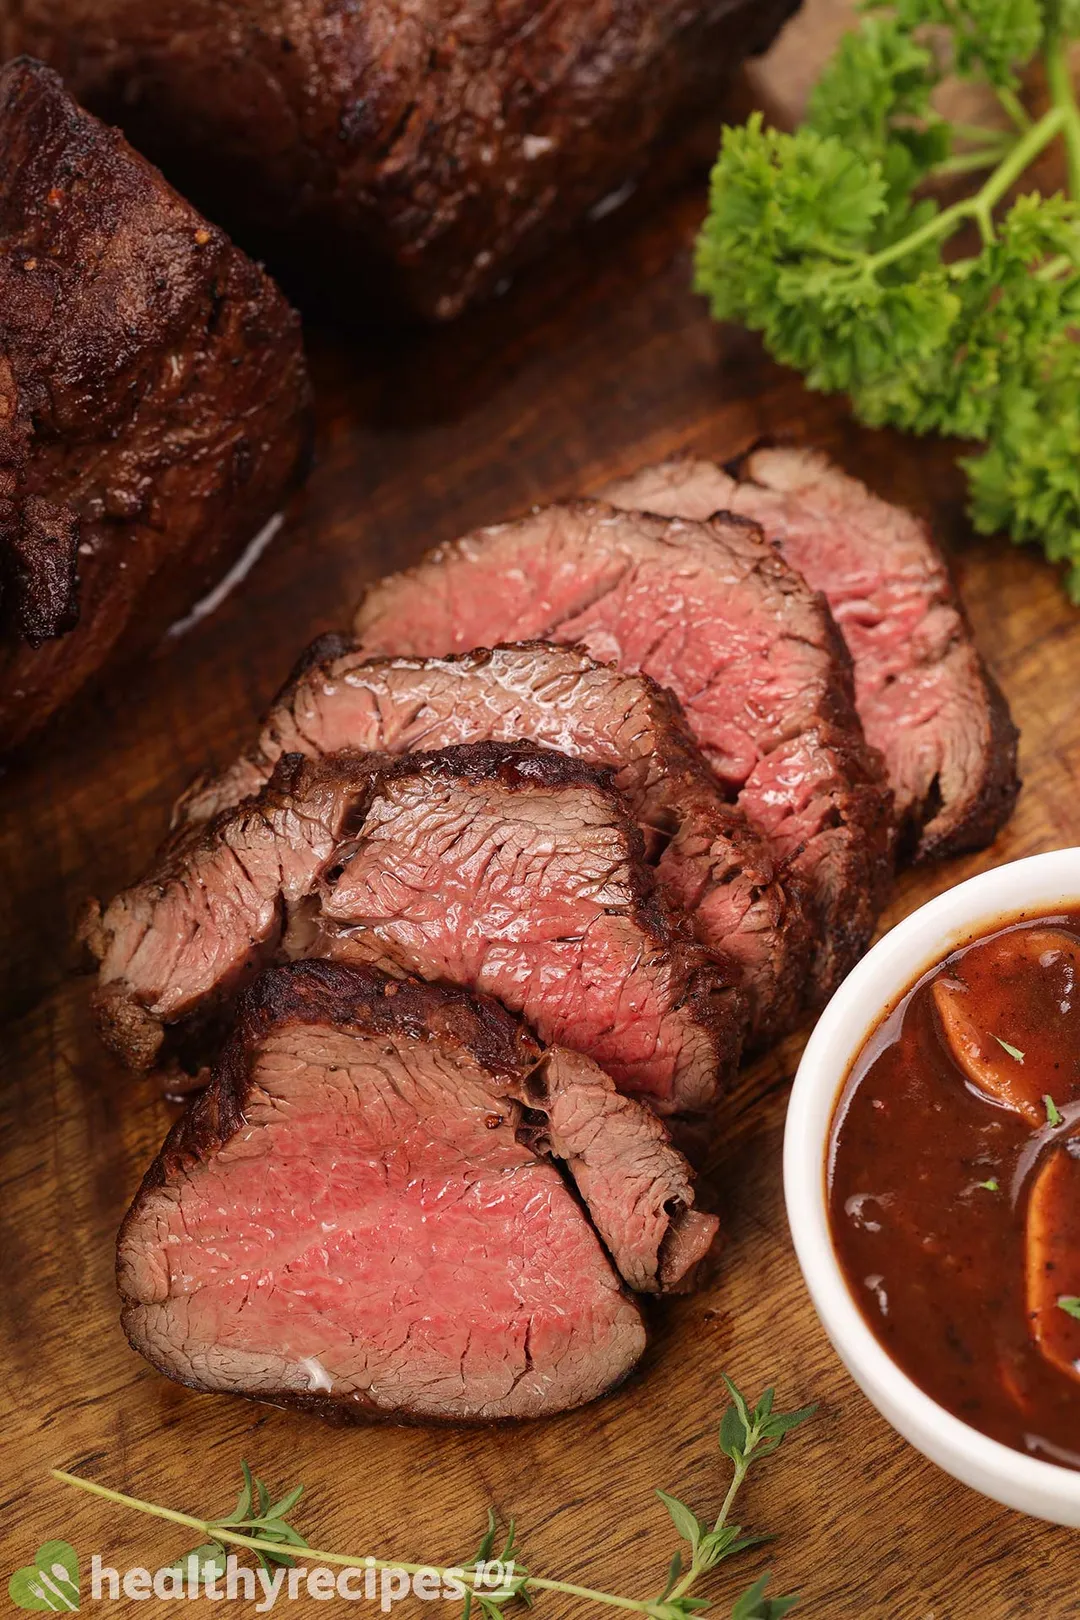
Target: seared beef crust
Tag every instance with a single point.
(154, 403)
(417, 151)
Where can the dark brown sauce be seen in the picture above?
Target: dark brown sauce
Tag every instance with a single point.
(961, 1282)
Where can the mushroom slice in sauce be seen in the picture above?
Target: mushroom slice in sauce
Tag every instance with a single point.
(1053, 1258)
(999, 1012)
(981, 1057)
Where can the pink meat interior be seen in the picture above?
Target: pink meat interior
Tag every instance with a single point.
(671, 607)
(374, 1231)
(529, 897)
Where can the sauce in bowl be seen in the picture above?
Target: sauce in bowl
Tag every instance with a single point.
(954, 1184)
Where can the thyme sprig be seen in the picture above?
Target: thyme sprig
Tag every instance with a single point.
(492, 1603)
(268, 1524)
(747, 1436)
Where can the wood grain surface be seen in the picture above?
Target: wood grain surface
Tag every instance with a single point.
(600, 360)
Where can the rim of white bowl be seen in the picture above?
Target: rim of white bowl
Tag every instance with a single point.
(883, 976)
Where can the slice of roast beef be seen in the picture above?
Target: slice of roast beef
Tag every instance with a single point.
(708, 859)
(512, 870)
(638, 1188)
(925, 697)
(502, 867)
(215, 907)
(351, 1218)
(711, 611)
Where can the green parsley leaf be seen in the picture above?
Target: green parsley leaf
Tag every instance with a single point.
(1070, 1304)
(828, 243)
(1053, 1112)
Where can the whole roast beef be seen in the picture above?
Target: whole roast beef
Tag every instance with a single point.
(360, 1215)
(711, 611)
(154, 405)
(708, 860)
(416, 151)
(924, 695)
(501, 867)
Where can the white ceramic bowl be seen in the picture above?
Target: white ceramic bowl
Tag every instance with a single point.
(1040, 884)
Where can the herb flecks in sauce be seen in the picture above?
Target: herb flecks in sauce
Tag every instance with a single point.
(971, 1085)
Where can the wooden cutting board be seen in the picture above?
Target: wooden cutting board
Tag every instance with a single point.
(600, 361)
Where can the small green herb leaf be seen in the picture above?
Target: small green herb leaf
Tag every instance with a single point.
(276, 1530)
(754, 1605)
(782, 1423)
(724, 1543)
(287, 1503)
(989, 1186)
(1013, 1051)
(686, 1523)
(674, 1571)
(737, 1398)
(676, 1608)
(487, 1541)
(242, 1509)
(211, 1555)
(1053, 1112)
(1070, 1304)
(481, 1556)
(734, 1434)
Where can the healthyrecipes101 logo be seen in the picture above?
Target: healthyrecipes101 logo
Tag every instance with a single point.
(52, 1582)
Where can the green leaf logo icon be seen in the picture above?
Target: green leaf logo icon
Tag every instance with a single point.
(50, 1582)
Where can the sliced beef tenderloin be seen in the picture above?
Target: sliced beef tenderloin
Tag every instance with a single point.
(515, 871)
(215, 907)
(352, 1220)
(507, 868)
(711, 611)
(709, 860)
(638, 1188)
(925, 697)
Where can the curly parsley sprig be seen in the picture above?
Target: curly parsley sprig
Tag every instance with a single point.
(828, 243)
(747, 1437)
